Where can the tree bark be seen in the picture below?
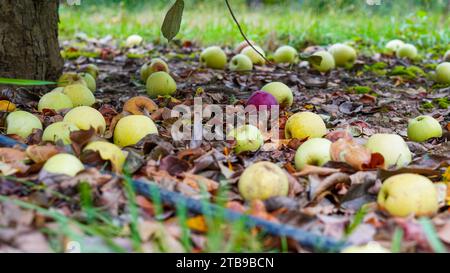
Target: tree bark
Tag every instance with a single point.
(29, 46)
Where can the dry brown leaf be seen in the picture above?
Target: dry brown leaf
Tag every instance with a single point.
(40, 154)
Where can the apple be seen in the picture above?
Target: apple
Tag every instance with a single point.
(263, 180)
(281, 92)
(408, 194)
(407, 51)
(393, 45)
(371, 247)
(254, 56)
(238, 49)
(110, 152)
(134, 40)
(248, 139)
(161, 84)
(392, 147)
(90, 81)
(131, 129)
(443, 73)
(155, 65)
(7, 106)
(241, 62)
(327, 61)
(70, 78)
(315, 151)
(305, 125)
(59, 131)
(344, 55)
(85, 117)
(64, 164)
(93, 70)
(261, 98)
(22, 123)
(285, 54)
(423, 128)
(54, 100)
(447, 56)
(213, 57)
(79, 94)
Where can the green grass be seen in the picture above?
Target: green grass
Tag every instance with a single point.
(270, 25)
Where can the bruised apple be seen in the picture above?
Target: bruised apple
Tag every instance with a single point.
(155, 65)
(392, 147)
(108, 151)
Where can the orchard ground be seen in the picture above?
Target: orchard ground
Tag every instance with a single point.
(380, 94)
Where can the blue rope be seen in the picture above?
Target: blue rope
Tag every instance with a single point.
(305, 238)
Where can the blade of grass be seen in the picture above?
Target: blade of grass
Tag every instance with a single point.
(23, 82)
(433, 238)
(397, 239)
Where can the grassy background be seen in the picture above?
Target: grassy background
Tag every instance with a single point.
(295, 22)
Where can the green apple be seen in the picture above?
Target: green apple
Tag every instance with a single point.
(447, 56)
(22, 123)
(262, 181)
(59, 131)
(408, 194)
(443, 73)
(110, 152)
(407, 51)
(423, 128)
(254, 56)
(392, 147)
(393, 45)
(79, 94)
(64, 164)
(327, 61)
(71, 78)
(213, 57)
(134, 40)
(286, 54)
(371, 247)
(248, 139)
(161, 84)
(85, 117)
(54, 100)
(90, 81)
(155, 65)
(281, 92)
(305, 125)
(344, 55)
(131, 129)
(315, 151)
(241, 62)
(93, 70)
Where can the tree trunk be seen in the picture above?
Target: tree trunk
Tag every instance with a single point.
(29, 39)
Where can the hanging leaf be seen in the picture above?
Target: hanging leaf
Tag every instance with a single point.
(172, 21)
(24, 82)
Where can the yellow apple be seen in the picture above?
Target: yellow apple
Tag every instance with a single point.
(443, 73)
(254, 56)
(327, 61)
(286, 54)
(79, 94)
(108, 151)
(85, 117)
(315, 151)
(131, 129)
(305, 125)
(262, 181)
(64, 164)
(344, 55)
(393, 148)
(281, 92)
(22, 123)
(59, 131)
(213, 57)
(408, 194)
(54, 100)
(160, 84)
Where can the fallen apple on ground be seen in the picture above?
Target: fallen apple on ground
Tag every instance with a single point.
(110, 152)
(131, 129)
(261, 98)
(371, 247)
(70, 78)
(213, 57)
(393, 45)
(256, 58)
(93, 70)
(64, 164)
(423, 128)
(161, 84)
(155, 65)
(238, 49)
(59, 131)
(79, 94)
(262, 181)
(7, 106)
(241, 63)
(315, 151)
(392, 147)
(281, 92)
(344, 55)
(54, 100)
(248, 139)
(90, 81)
(305, 125)
(443, 73)
(408, 194)
(407, 51)
(327, 61)
(22, 123)
(85, 117)
(286, 54)
(134, 40)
